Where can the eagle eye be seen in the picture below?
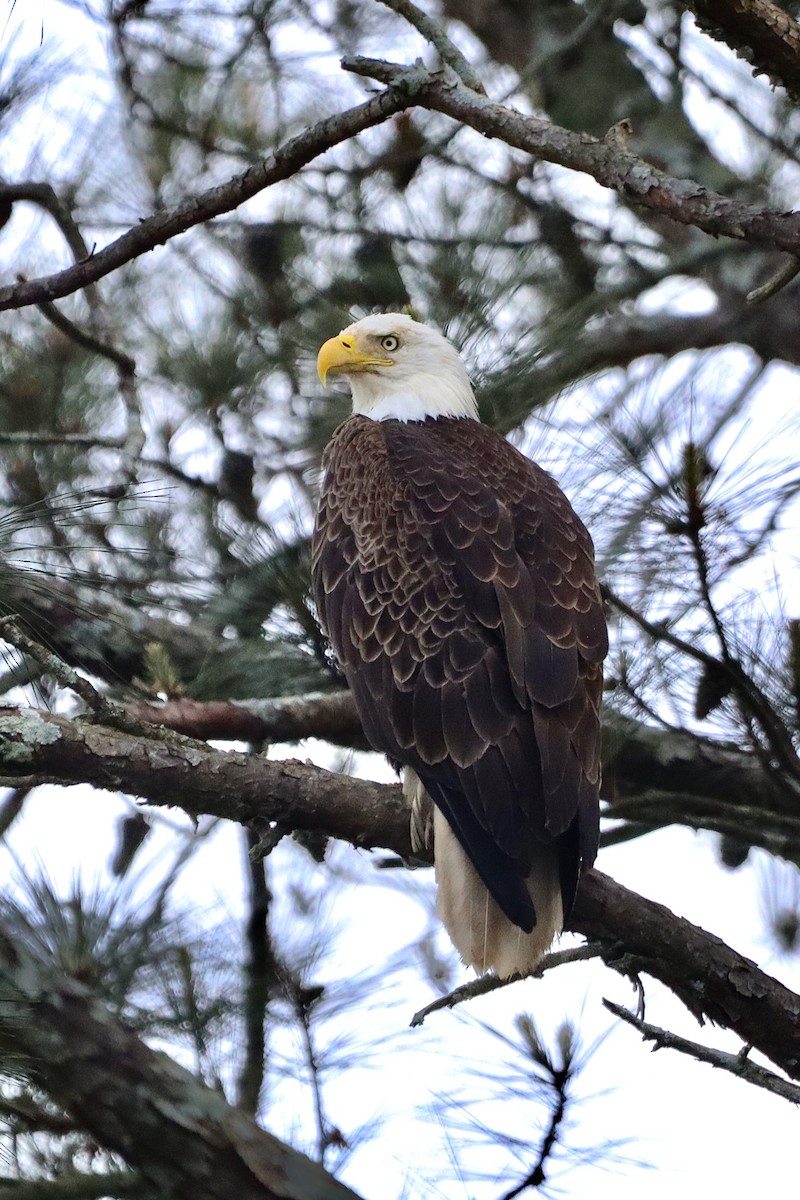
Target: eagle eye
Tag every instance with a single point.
(390, 342)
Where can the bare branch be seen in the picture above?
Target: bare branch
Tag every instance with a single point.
(86, 340)
(614, 167)
(105, 710)
(788, 270)
(47, 198)
(328, 715)
(161, 226)
(638, 935)
(490, 983)
(433, 33)
(248, 788)
(737, 1064)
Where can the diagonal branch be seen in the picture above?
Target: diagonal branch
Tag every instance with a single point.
(607, 161)
(760, 32)
(182, 1136)
(633, 934)
(161, 226)
(432, 32)
(736, 1064)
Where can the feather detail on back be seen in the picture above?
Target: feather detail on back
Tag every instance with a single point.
(457, 587)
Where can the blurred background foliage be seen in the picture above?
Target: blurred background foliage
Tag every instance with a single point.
(550, 285)
(154, 526)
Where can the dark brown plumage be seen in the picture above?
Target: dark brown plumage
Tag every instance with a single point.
(457, 587)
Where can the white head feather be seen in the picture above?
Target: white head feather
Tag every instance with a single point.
(398, 368)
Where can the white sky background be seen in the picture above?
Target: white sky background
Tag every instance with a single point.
(703, 1132)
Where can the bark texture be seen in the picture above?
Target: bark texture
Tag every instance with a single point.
(181, 1136)
(635, 934)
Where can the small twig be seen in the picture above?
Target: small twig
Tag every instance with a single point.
(47, 198)
(490, 983)
(59, 439)
(736, 1064)
(433, 33)
(110, 713)
(786, 272)
(86, 340)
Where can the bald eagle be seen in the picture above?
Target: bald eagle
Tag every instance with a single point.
(457, 587)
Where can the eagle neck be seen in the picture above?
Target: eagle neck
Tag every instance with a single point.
(415, 398)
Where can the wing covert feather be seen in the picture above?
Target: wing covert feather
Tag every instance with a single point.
(457, 587)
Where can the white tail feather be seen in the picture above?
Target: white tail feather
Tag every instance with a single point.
(478, 927)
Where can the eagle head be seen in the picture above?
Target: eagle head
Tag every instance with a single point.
(398, 369)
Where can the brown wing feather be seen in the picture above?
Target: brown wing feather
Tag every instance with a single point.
(457, 587)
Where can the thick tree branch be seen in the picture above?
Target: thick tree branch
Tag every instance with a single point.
(711, 979)
(240, 787)
(181, 1136)
(606, 161)
(158, 228)
(328, 715)
(634, 934)
(653, 777)
(762, 33)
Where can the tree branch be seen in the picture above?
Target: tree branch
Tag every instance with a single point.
(47, 198)
(634, 934)
(328, 715)
(87, 341)
(182, 1137)
(760, 32)
(158, 228)
(433, 33)
(736, 1064)
(606, 161)
(247, 788)
(710, 978)
(653, 777)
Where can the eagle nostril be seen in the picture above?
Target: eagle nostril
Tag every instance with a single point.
(347, 345)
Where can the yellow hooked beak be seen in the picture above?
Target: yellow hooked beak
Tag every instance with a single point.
(341, 355)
